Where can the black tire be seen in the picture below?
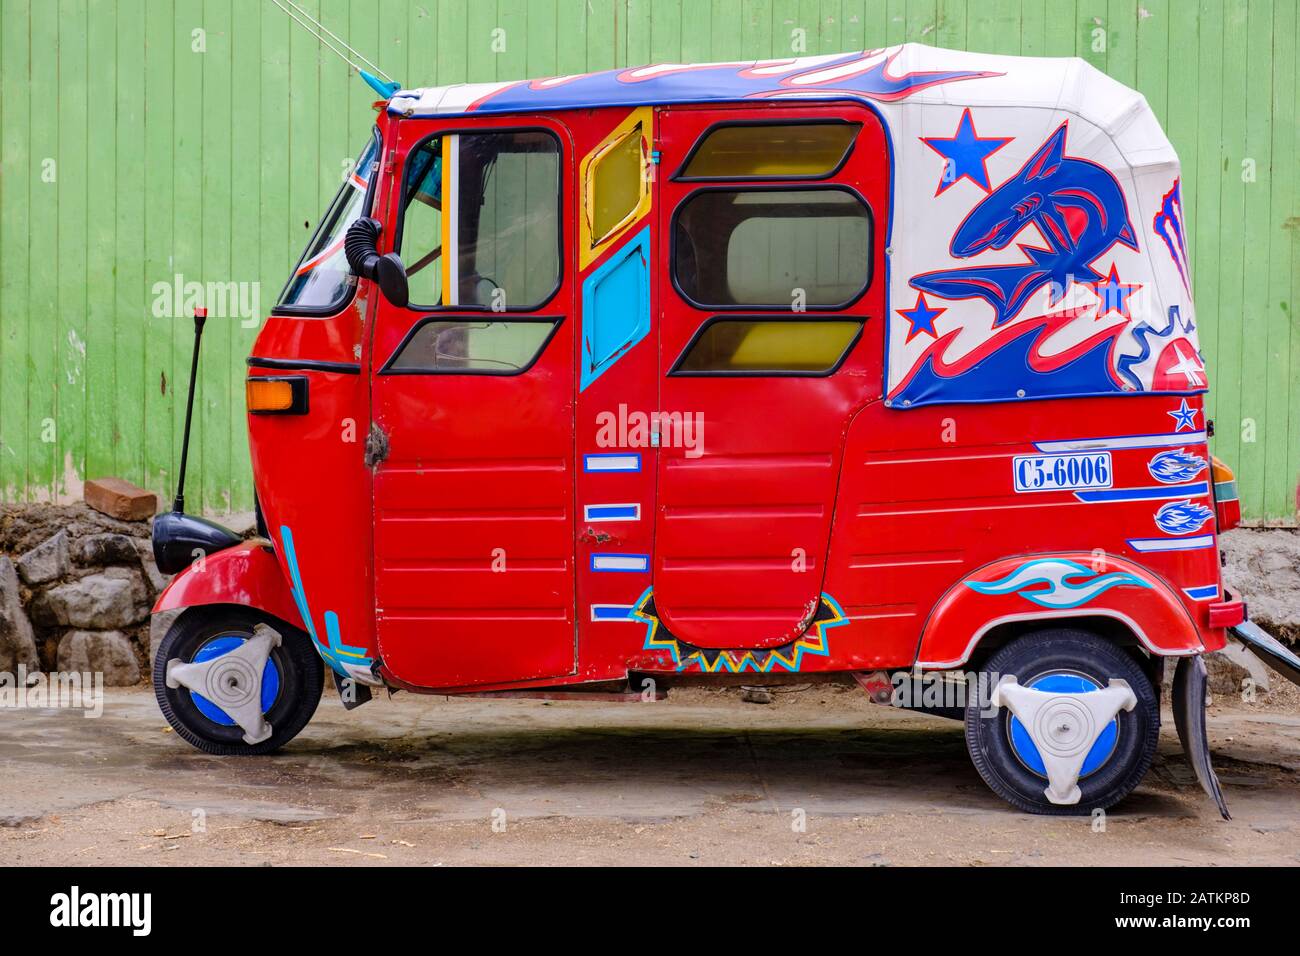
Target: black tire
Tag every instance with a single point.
(302, 675)
(1076, 652)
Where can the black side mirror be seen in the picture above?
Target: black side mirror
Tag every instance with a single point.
(361, 246)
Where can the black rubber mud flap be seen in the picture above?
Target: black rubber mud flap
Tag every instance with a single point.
(352, 693)
(1189, 717)
(1268, 649)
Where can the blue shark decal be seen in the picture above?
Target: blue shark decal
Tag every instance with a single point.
(1175, 467)
(1078, 207)
(1182, 517)
(1064, 580)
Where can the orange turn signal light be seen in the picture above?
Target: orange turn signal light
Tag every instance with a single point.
(276, 395)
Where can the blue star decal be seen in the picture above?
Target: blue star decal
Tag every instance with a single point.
(966, 154)
(1113, 294)
(921, 317)
(1185, 416)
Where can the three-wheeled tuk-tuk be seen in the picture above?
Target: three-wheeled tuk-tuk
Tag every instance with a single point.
(880, 365)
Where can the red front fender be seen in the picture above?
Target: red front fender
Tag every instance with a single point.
(246, 574)
(990, 596)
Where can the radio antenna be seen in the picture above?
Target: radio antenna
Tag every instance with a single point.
(385, 87)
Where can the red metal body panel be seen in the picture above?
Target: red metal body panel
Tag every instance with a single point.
(897, 512)
(742, 531)
(473, 506)
(246, 574)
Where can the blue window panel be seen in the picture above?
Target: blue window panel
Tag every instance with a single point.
(615, 307)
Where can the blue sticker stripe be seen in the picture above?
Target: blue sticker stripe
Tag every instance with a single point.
(612, 612)
(612, 461)
(1172, 544)
(632, 563)
(1206, 592)
(1144, 494)
(628, 512)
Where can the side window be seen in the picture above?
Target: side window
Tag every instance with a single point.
(771, 151)
(772, 247)
(472, 346)
(768, 346)
(480, 221)
(616, 185)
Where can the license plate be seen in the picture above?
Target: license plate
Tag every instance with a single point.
(1061, 472)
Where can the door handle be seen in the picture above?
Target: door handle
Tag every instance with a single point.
(592, 536)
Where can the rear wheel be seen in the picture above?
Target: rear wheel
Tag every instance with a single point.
(1063, 661)
(291, 680)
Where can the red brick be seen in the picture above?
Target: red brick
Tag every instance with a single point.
(121, 499)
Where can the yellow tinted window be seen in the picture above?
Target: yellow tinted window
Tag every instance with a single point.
(771, 150)
(757, 345)
(616, 186)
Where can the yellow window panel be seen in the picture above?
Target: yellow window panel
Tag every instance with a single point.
(615, 179)
(760, 345)
(785, 150)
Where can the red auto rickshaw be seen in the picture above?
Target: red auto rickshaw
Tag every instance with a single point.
(879, 366)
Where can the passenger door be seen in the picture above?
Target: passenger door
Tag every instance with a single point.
(472, 398)
(770, 251)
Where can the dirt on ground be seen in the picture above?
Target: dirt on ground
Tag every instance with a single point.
(819, 776)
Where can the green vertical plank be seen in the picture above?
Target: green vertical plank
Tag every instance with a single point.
(160, 377)
(187, 216)
(74, 167)
(726, 41)
(756, 29)
(571, 37)
(995, 27)
(636, 37)
(394, 24)
(512, 62)
(421, 43)
(216, 399)
(97, 359)
(854, 34)
(19, 168)
(1121, 40)
(1033, 25)
(1153, 61)
(1227, 318)
(951, 31)
(1060, 36)
(1292, 225)
(895, 21)
(437, 44)
(130, 304)
(44, 270)
(603, 35)
(921, 21)
(245, 226)
(665, 33)
(541, 38)
(1203, 232)
(482, 43)
(1092, 39)
(1255, 359)
(831, 27)
(1282, 394)
(696, 34)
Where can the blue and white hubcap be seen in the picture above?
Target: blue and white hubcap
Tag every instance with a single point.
(217, 647)
(1060, 683)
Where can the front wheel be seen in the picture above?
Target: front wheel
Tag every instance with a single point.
(291, 680)
(1063, 661)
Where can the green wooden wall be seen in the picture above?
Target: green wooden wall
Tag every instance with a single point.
(134, 149)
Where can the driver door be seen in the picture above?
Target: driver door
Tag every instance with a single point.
(472, 398)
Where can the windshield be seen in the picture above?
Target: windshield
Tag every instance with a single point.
(321, 281)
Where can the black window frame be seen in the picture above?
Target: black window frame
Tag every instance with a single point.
(677, 371)
(473, 315)
(367, 204)
(770, 185)
(559, 231)
(681, 177)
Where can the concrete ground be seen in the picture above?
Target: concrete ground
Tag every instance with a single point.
(701, 778)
